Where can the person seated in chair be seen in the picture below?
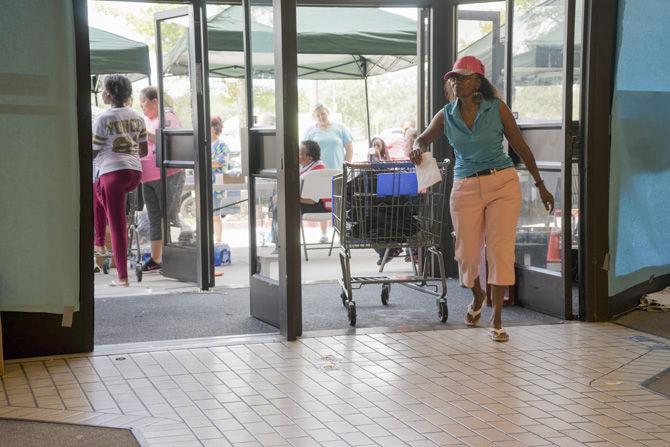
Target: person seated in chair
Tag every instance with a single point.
(310, 160)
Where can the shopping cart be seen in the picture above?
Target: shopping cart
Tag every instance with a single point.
(377, 206)
(134, 204)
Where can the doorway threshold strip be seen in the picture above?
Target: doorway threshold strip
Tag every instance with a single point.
(165, 345)
(271, 337)
(188, 343)
(416, 328)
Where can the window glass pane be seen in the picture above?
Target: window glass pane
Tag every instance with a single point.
(481, 33)
(267, 222)
(181, 203)
(537, 60)
(538, 236)
(176, 91)
(262, 64)
(577, 79)
(176, 94)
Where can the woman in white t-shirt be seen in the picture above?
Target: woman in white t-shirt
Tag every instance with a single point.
(119, 140)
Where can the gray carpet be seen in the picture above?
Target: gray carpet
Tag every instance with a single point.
(656, 323)
(18, 433)
(226, 312)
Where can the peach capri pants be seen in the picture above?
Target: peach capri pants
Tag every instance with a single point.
(485, 209)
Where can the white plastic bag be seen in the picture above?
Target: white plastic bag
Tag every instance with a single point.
(657, 301)
(427, 173)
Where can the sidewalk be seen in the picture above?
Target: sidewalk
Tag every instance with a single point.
(567, 385)
(319, 268)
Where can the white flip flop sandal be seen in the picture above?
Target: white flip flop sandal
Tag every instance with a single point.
(474, 315)
(499, 335)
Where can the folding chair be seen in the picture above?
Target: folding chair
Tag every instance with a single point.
(316, 185)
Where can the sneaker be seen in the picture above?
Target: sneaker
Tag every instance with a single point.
(324, 240)
(151, 265)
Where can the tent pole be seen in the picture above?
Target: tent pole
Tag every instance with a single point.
(95, 89)
(367, 109)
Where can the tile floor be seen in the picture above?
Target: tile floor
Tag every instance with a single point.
(566, 385)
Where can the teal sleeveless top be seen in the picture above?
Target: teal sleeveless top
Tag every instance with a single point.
(478, 148)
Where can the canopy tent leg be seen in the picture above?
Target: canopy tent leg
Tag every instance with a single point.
(94, 87)
(367, 111)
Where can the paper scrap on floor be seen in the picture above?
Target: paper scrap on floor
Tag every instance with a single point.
(659, 301)
(427, 173)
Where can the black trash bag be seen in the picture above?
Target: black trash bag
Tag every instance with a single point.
(379, 220)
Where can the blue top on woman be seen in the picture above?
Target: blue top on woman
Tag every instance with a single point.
(478, 148)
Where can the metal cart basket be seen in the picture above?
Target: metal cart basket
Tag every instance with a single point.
(376, 206)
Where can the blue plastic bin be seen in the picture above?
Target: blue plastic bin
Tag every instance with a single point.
(397, 184)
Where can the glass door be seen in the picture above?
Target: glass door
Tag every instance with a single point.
(183, 148)
(528, 49)
(542, 85)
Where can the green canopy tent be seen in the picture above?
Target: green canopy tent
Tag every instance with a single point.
(115, 54)
(333, 43)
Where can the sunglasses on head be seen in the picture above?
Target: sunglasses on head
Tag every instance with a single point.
(461, 78)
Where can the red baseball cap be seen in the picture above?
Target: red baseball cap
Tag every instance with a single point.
(466, 66)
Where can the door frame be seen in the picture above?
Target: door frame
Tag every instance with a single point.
(277, 302)
(568, 149)
(599, 62)
(288, 179)
(46, 337)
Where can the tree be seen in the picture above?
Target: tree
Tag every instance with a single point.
(140, 18)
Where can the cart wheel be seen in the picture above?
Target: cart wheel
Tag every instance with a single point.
(351, 313)
(105, 266)
(138, 272)
(442, 310)
(343, 295)
(386, 291)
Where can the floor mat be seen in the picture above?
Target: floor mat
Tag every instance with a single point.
(20, 433)
(660, 383)
(226, 312)
(656, 323)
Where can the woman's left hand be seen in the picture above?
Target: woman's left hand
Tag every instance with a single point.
(547, 198)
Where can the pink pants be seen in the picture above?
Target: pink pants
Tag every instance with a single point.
(111, 190)
(485, 210)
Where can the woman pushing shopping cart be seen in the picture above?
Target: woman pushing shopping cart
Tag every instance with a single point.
(378, 205)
